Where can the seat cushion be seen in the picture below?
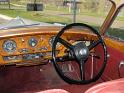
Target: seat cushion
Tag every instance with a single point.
(54, 91)
(114, 86)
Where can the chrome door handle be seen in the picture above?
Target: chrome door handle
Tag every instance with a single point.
(121, 64)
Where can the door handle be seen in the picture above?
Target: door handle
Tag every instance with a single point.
(121, 64)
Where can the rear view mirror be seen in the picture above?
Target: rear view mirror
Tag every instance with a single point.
(34, 7)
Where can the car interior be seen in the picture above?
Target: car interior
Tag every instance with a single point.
(73, 58)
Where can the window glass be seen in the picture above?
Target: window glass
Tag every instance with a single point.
(92, 12)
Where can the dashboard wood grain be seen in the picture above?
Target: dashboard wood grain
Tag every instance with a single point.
(21, 36)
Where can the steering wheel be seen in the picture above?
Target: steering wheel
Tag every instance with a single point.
(80, 52)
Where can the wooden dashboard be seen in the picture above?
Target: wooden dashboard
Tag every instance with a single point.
(26, 46)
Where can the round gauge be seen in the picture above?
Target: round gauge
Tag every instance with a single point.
(52, 40)
(9, 46)
(33, 42)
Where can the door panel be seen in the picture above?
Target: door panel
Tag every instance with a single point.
(115, 66)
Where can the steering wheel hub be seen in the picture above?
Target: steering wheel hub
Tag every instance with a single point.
(81, 51)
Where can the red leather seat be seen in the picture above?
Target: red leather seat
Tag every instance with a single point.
(54, 91)
(114, 86)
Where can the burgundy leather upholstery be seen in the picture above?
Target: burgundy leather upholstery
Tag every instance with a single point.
(54, 91)
(114, 86)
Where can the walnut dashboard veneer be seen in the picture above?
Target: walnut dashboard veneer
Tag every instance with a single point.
(43, 35)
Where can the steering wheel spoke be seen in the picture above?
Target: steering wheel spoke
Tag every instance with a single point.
(94, 44)
(65, 43)
(82, 70)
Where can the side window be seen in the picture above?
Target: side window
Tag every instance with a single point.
(117, 29)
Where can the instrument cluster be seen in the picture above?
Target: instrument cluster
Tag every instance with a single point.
(28, 47)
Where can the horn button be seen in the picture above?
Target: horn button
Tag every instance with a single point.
(81, 51)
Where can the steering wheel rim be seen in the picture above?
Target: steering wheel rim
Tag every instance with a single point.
(54, 61)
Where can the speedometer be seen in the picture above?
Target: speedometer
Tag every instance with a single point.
(9, 46)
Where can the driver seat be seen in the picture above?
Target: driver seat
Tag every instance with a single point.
(114, 86)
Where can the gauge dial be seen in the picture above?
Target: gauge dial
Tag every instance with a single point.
(9, 46)
(52, 40)
(33, 42)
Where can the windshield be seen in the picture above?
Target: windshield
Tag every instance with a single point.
(117, 29)
(92, 12)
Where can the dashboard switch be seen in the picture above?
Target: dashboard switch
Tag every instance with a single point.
(24, 50)
(43, 48)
